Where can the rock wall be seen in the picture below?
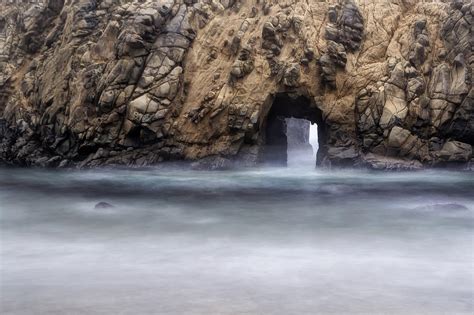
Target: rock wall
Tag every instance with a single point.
(102, 82)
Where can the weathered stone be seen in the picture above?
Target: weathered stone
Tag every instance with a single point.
(398, 136)
(380, 162)
(347, 26)
(243, 65)
(395, 107)
(291, 75)
(455, 151)
(415, 87)
(152, 81)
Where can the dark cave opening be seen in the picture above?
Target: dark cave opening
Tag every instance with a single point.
(287, 130)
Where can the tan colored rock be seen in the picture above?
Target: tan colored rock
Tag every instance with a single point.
(455, 151)
(157, 80)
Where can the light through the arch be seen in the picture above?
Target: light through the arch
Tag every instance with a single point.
(313, 138)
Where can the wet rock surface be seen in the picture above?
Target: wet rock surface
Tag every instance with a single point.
(88, 83)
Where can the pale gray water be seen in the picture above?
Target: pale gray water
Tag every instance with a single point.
(273, 241)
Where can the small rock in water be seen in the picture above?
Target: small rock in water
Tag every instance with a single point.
(103, 205)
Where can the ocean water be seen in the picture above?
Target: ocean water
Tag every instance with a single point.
(258, 241)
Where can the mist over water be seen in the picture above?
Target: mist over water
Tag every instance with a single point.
(260, 241)
(304, 156)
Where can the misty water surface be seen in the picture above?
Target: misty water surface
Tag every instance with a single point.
(268, 241)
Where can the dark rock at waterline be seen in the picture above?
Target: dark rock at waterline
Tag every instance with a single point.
(103, 205)
(212, 163)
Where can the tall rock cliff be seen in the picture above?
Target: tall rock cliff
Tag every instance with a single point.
(102, 82)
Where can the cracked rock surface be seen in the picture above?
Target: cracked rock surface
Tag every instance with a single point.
(126, 82)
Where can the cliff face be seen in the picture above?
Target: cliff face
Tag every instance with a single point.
(95, 82)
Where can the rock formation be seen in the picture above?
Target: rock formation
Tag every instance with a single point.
(105, 82)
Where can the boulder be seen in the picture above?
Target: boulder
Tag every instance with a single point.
(455, 151)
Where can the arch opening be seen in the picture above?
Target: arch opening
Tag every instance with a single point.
(293, 121)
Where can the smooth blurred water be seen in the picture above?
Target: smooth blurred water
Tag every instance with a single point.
(268, 241)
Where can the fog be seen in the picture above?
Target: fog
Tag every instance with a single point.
(261, 241)
(300, 153)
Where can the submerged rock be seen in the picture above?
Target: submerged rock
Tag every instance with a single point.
(103, 205)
